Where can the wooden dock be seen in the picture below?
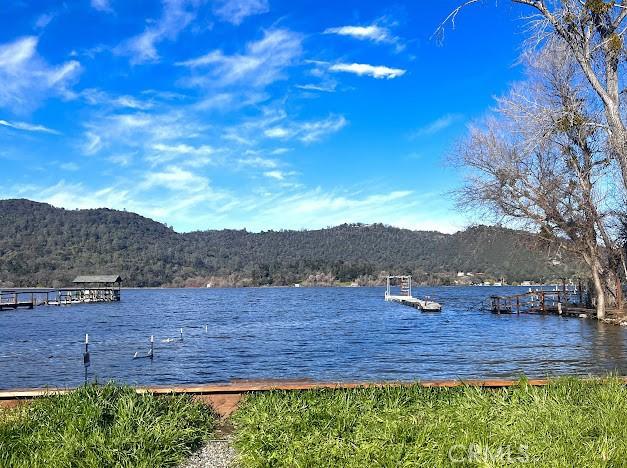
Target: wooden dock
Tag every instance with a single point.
(11, 300)
(87, 289)
(569, 303)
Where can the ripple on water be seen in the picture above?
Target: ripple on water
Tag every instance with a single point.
(318, 333)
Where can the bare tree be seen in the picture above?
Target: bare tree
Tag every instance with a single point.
(541, 160)
(594, 31)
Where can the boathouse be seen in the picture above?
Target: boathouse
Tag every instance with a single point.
(96, 288)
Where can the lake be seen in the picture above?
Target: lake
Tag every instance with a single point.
(332, 334)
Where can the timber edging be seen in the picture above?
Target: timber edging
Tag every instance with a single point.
(266, 386)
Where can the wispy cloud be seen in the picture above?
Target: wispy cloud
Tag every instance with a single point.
(101, 5)
(139, 129)
(96, 97)
(327, 87)
(28, 127)
(258, 161)
(375, 71)
(27, 79)
(194, 156)
(309, 131)
(69, 166)
(174, 178)
(438, 125)
(235, 11)
(378, 32)
(262, 63)
(176, 16)
(44, 20)
(373, 32)
(277, 175)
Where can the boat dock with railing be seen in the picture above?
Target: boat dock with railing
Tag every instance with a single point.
(567, 301)
(405, 295)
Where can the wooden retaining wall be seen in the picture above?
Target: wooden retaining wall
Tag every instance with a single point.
(225, 397)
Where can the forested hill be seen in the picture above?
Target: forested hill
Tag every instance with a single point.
(48, 246)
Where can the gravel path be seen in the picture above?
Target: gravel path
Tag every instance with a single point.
(216, 453)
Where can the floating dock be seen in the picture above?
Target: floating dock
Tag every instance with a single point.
(405, 296)
(425, 306)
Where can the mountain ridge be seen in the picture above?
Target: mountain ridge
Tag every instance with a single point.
(41, 245)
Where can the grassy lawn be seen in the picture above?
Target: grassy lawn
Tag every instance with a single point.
(103, 427)
(568, 423)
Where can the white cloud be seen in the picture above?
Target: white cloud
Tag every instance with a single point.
(98, 97)
(277, 132)
(373, 33)
(44, 20)
(139, 129)
(28, 127)
(378, 72)
(258, 161)
(176, 16)
(92, 143)
(229, 101)
(194, 156)
(235, 11)
(278, 175)
(184, 149)
(325, 88)
(274, 123)
(174, 178)
(441, 123)
(376, 32)
(101, 5)
(69, 166)
(262, 63)
(315, 130)
(123, 159)
(27, 79)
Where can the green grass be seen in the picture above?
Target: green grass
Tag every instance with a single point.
(568, 423)
(103, 426)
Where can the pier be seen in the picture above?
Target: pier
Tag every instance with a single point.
(13, 299)
(87, 289)
(405, 295)
(565, 301)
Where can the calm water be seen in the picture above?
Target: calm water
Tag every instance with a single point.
(289, 333)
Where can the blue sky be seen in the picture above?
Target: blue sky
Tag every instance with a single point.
(257, 114)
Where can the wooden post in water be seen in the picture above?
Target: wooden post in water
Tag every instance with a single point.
(542, 302)
(86, 359)
(518, 305)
